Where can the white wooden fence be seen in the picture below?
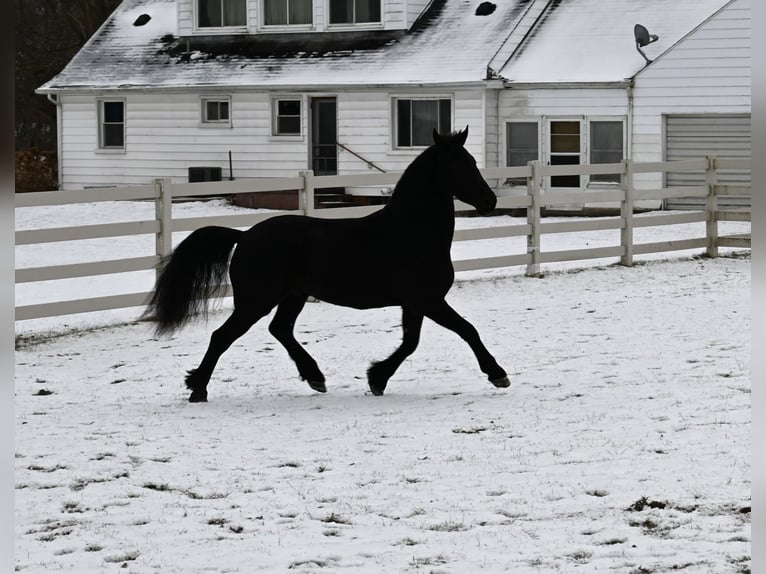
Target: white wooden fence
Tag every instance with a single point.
(162, 193)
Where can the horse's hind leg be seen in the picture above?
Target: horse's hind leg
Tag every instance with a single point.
(221, 339)
(444, 315)
(380, 372)
(282, 328)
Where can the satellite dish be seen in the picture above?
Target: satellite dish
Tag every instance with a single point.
(643, 38)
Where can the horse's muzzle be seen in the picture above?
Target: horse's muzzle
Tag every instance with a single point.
(488, 206)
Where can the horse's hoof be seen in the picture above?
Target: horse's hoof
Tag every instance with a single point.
(501, 383)
(318, 386)
(198, 397)
(377, 390)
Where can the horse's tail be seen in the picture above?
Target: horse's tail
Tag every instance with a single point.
(194, 272)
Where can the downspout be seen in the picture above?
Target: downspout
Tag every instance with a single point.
(54, 99)
(629, 139)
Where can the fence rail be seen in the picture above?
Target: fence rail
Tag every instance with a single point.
(163, 192)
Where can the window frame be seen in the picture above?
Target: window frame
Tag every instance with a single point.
(601, 179)
(271, 27)
(102, 123)
(395, 121)
(205, 120)
(538, 129)
(275, 115)
(353, 23)
(223, 28)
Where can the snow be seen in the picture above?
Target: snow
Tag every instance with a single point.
(623, 444)
(455, 48)
(592, 40)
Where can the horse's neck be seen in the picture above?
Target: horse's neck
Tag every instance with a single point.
(419, 206)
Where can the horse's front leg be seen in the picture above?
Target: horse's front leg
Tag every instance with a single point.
(380, 372)
(282, 328)
(444, 315)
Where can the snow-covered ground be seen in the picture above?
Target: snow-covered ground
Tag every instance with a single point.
(623, 444)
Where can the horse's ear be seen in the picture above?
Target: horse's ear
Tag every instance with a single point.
(462, 136)
(437, 138)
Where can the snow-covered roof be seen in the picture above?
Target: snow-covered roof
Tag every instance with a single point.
(449, 44)
(521, 41)
(592, 40)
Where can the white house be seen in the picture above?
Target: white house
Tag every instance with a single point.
(272, 87)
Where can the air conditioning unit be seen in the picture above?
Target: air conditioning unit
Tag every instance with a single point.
(201, 173)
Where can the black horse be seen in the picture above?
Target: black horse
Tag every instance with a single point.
(397, 256)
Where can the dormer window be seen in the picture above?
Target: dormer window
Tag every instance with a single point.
(354, 11)
(287, 12)
(221, 13)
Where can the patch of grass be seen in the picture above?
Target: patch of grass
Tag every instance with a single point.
(449, 527)
(613, 541)
(93, 548)
(472, 430)
(38, 468)
(196, 496)
(333, 518)
(437, 560)
(407, 542)
(158, 487)
(644, 502)
(597, 492)
(217, 521)
(71, 507)
(43, 393)
(64, 551)
(315, 562)
(81, 483)
(580, 556)
(124, 557)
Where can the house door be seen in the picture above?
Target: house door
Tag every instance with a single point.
(564, 149)
(324, 135)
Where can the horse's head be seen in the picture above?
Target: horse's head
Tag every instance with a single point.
(458, 173)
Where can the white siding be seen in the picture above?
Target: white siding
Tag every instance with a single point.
(708, 72)
(164, 137)
(185, 17)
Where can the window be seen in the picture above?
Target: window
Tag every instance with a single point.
(215, 111)
(221, 13)
(522, 146)
(416, 120)
(287, 117)
(354, 11)
(606, 146)
(565, 150)
(287, 12)
(111, 124)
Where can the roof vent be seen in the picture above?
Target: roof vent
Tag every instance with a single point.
(643, 38)
(142, 19)
(485, 9)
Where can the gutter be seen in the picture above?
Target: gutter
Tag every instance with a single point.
(54, 99)
(566, 85)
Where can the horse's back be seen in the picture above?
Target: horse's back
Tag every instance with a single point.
(355, 262)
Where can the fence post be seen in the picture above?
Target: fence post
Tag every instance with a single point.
(163, 213)
(533, 220)
(626, 212)
(711, 207)
(306, 195)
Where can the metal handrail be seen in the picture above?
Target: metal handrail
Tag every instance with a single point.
(370, 164)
